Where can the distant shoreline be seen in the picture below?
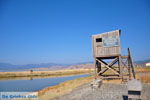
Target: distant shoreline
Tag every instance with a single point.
(54, 73)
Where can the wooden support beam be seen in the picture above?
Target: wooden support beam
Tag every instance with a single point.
(129, 69)
(95, 68)
(120, 67)
(108, 67)
(124, 63)
(124, 57)
(130, 59)
(113, 62)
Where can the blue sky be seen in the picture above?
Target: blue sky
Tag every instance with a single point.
(59, 31)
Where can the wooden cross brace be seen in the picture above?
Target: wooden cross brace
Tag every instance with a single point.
(108, 66)
(125, 63)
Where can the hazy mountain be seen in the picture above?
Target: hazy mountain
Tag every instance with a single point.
(52, 66)
(142, 61)
(11, 67)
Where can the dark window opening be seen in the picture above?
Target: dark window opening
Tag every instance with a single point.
(99, 40)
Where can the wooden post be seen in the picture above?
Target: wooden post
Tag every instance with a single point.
(121, 69)
(129, 68)
(95, 68)
(130, 59)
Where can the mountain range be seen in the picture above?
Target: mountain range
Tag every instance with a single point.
(142, 61)
(51, 66)
(41, 66)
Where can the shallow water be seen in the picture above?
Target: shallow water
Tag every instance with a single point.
(33, 84)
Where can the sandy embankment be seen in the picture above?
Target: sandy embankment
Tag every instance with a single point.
(45, 73)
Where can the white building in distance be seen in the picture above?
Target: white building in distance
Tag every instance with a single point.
(147, 64)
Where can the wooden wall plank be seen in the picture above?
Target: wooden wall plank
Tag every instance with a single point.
(98, 48)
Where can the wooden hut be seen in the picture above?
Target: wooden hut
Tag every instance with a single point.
(106, 46)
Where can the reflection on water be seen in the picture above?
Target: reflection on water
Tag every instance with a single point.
(30, 77)
(33, 83)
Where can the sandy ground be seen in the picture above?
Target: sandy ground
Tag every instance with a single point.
(107, 91)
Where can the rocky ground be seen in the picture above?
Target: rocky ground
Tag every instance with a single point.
(107, 91)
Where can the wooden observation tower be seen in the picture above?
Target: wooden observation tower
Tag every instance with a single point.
(109, 63)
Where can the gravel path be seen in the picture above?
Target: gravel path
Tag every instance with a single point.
(105, 92)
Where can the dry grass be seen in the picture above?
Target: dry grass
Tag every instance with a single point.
(115, 81)
(143, 74)
(145, 79)
(45, 73)
(142, 69)
(63, 88)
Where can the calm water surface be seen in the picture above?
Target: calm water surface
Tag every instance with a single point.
(34, 84)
